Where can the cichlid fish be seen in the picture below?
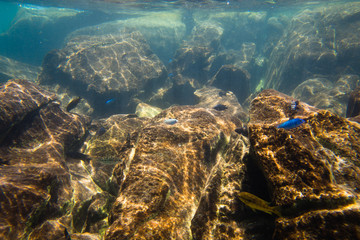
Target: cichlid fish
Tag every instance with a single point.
(111, 100)
(292, 123)
(254, 202)
(170, 121)
(220, 107)
(73, 103)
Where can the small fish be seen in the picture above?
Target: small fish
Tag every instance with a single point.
(78, 155)
(292, 123)
(257, 203)
(294, 105)
(170, 60)
(111, 100)
(242, 130)
(220, 107)
(171, 121)
(73, 103)
(224, 93)
(4, 162)
(100, 131)
(131, 115)
(170, 75)
(67, 235)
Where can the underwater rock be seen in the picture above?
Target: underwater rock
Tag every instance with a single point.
(239, 27)
(163, 180)
(325, 94)
(353, 106)
(36, 183)
(163, 30)
(146, 110)
(312, 170)
(53, 229)
(19, 99)
(110, 150)
(193, 60)
(314, 43)
(11, 69)
(232, 78)
(99, 68)
(211, 96)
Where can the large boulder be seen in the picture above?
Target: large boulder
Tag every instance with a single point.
(312, 171)
(233, 78)
(163, 181)
(193, 61)
(320, 41)
(12, 69)
(36, 138)
(106, 70)
(325, 94)
(163, 30)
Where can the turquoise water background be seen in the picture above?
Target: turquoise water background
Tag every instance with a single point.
(7, 13)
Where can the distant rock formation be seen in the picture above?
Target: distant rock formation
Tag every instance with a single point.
(316, 42)
(104, 67)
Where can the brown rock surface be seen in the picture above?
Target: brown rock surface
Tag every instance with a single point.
(165, 177)
(353, 107)
(35, 181)
(233, 78)
(99, 68)
(312, 170)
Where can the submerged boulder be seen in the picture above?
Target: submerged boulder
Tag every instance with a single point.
(163, 181)
(193, 60)
(321, 41)
(12, 69)
(312, 170)
(36, 137)
(103, 68)
(233, 78)
(163, 30)
(325, 94)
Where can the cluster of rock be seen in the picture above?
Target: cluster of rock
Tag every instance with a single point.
(120, 175)
(140, 178)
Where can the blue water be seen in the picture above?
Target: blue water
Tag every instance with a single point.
(7, 13)
(250, 34)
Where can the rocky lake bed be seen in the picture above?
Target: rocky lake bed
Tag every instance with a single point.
(153, 125)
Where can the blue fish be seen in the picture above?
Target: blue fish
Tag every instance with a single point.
(170, 60)
(292, 123)
(171, 121)
(110, 101)
(170, 75)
